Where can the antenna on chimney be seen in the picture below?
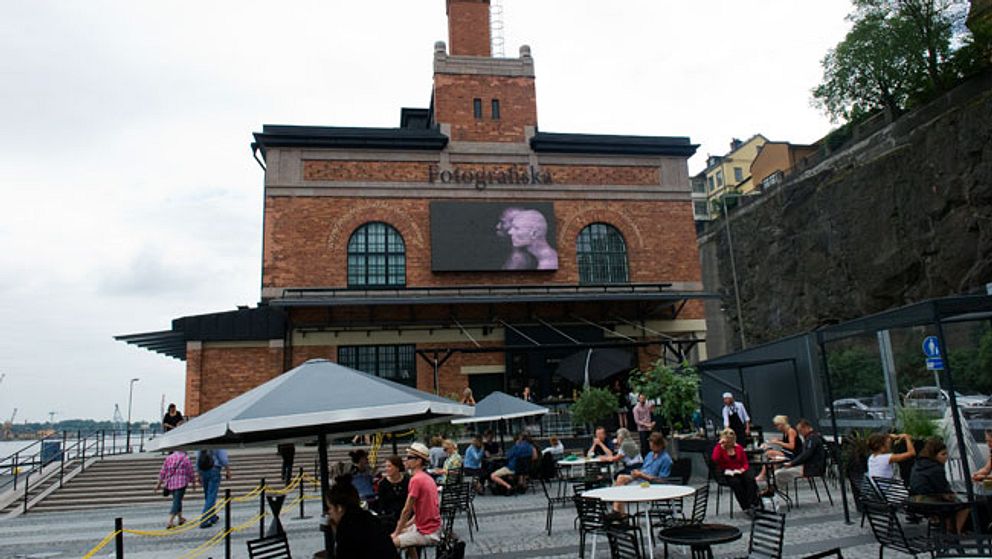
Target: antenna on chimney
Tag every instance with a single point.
(496, 28)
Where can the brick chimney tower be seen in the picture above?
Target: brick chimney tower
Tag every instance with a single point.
(468, 28)
(478, 98)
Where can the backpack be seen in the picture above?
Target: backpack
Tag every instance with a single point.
(205, 461)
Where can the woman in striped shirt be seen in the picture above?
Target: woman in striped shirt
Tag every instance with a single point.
(176, 475)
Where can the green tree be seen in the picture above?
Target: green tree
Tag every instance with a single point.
(676, 388)
(896, 51)
(594, 405)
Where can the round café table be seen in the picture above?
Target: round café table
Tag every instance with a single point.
(699, 537)
(635, 493)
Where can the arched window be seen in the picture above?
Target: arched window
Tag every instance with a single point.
(376, 257)
(601, 254)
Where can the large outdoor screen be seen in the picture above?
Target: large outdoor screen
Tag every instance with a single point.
(486, 237)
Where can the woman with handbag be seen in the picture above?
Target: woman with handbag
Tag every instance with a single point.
(176, 475)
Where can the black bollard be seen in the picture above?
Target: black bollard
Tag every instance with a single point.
(227, 524)
(302, 495)
(261, 510)
(119, 538)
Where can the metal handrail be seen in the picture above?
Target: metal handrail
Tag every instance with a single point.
(93, 443)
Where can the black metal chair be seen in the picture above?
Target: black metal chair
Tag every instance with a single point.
(862, 489)
(273, 547)
(974, 545)
(554, 500)
(681, 471)
(721, 482)
(767, 535)
(626, 541)
(592, 520)
(891, 490)
(811, 479)
(455, 498)
(889, 532)
(700, 500)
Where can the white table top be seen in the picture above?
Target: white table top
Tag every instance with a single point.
(633, 492)
(580, 461)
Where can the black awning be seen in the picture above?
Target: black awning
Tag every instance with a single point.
(484, 295)
(961, 308)
(244, 324)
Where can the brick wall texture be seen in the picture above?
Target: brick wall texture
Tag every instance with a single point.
(453, 104)
(306, 239)
(468, 27)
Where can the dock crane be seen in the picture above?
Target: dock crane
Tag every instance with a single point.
(8, 426)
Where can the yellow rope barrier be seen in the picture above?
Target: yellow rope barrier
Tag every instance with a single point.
(189, 525)
(374, 450)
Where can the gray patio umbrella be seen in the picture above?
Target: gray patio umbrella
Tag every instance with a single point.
(499, 406)
(316, 399)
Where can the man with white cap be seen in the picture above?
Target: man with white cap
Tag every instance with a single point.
(735, 417)
(420, 521)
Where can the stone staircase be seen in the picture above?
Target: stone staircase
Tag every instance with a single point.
(130, 479)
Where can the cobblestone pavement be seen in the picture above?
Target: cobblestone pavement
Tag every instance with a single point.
(510, 527)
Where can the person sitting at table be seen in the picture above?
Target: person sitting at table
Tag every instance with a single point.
(985, 472)
(391, 492)
(731, 461)
(788, 446)
(358, 534)
(600, 446)
(656, 468)
(420, 520)
(811, 461)
(361, 474)
(452, 462)
(928, 483)
(882, 458)
(490, 446)
(437, 455)
(555, 448)
(473, 463)
(627, 452)
(522, 452)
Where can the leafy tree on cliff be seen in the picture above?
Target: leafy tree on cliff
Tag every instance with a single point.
(896, 51)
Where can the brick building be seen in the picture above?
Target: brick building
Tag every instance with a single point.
(464, 248)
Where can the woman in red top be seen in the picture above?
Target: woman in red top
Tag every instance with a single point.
(731, 462)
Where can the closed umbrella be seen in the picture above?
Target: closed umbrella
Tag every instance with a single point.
(592, 366)
(317, 399)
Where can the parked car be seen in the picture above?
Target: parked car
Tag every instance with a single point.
(930, 397)
(853, 408)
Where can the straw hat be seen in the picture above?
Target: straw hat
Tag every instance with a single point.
(419, 450)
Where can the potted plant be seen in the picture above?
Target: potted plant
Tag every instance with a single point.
(593, 405)
(675, 388)
(916, 423)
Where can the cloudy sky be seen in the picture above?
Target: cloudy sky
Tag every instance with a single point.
(130, 196)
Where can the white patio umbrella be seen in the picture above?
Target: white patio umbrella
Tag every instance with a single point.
(499, 406)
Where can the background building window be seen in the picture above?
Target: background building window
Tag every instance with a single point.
(495, 109)
(719, 179)
(477, 107)
(376, 257)
(700, 209)
(602, 255)
(394, 362)
(738, 174)
(710, 182)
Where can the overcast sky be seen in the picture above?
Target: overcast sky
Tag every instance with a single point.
(130, 196)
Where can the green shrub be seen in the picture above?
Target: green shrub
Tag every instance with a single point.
(594, 405)
(676, 388)
(916, 423)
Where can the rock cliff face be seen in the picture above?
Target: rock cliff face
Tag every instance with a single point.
(904, 215)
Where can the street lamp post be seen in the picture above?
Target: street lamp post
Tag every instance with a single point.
(130, 393)
(733, 270)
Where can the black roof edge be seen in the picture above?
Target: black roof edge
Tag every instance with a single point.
(280, 135)
(612, 144)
